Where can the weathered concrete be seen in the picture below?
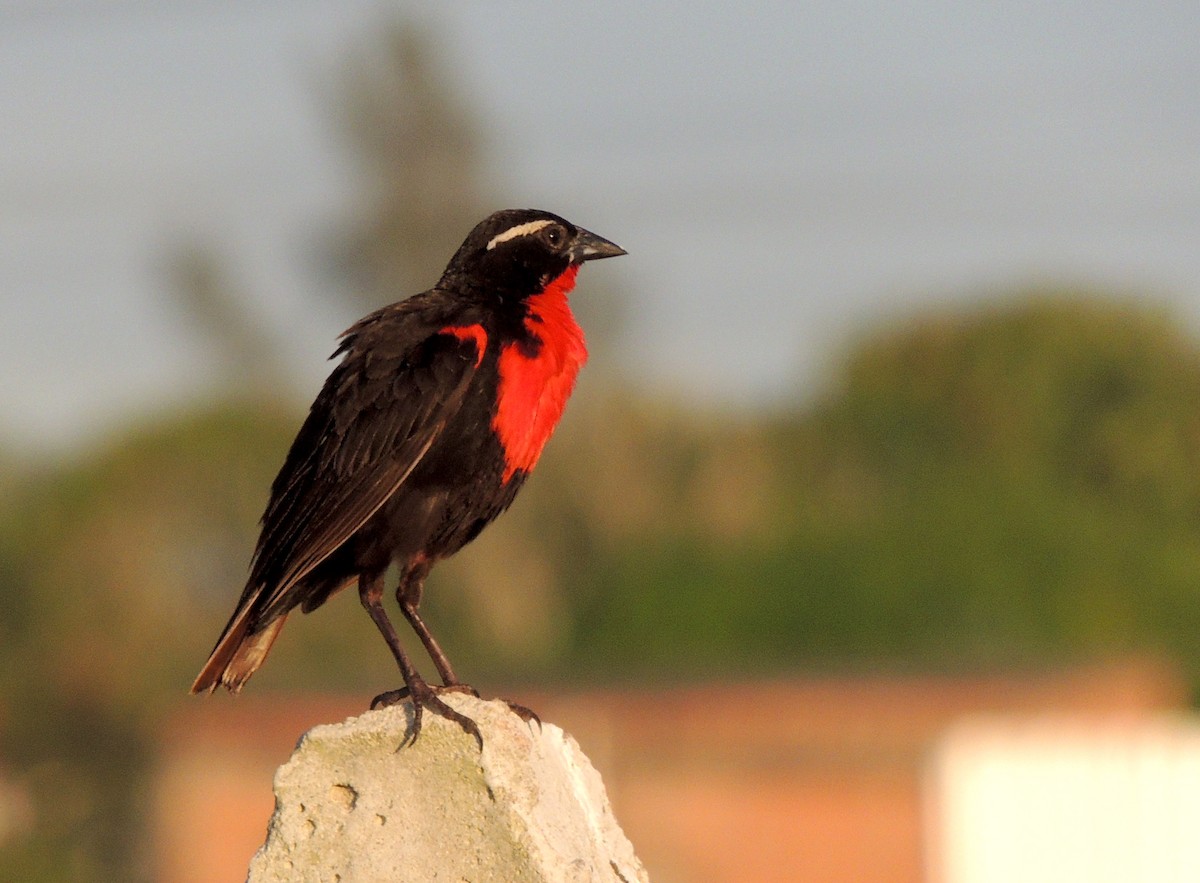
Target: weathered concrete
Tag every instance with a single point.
(352, 805)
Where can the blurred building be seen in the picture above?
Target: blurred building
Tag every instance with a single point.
(1055, 799)
(883, 779)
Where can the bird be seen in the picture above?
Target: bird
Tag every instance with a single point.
(423, 433)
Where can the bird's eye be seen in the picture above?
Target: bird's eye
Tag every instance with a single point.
(554, 235)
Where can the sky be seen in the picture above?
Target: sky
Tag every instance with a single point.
(785, 176)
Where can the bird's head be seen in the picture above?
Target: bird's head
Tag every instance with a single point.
(521, 250)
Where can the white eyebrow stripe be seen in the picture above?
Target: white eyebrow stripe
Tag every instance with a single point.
(519, 230)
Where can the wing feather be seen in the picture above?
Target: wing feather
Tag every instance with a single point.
(367, 440)
(399, 384)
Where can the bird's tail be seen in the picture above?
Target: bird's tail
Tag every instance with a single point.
(238, 654)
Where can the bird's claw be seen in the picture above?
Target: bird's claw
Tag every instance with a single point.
(423, 696)
(526, 714)
(391, 697)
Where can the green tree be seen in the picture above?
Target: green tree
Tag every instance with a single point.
(107, 564)
(419, 155)
(1009, 484)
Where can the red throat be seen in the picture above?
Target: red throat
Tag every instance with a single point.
(534, 390)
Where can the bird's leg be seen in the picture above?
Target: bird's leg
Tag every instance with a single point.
(408, 595)
(370, 591)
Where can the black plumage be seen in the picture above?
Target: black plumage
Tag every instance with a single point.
(409, 451)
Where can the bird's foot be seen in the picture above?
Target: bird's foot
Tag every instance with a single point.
(422, 696)
(394, 697)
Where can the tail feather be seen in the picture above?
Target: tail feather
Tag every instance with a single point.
(238, 653)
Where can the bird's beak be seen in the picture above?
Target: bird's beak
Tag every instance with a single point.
(590, 247)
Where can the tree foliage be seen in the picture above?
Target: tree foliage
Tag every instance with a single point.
(419, 154)
(1009, 484)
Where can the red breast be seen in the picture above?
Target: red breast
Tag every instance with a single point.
(534, 390)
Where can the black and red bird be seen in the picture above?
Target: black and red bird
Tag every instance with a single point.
(423, 433)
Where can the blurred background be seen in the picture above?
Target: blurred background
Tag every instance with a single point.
(891, 429)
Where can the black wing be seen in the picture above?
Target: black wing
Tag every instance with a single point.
(398, 385)
(378, 414)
